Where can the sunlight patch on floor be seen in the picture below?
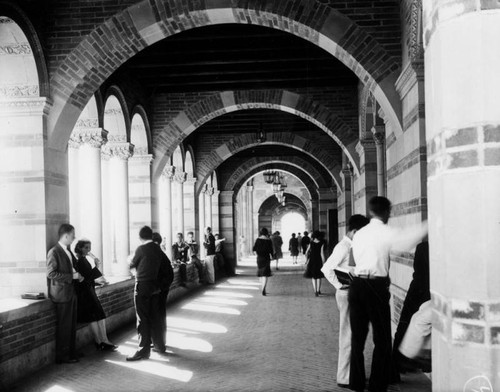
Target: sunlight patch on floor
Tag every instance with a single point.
(180, 340)
(234, 286)
(210, 308)
(195, 325)
(157, 369)
(227, 294)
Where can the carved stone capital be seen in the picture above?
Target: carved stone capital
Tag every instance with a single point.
(378, 132)
(364, 146)
(168, 172)
(180, 177)
(94, 137)
(209, 191)
(191, 180)
(146, 159)
(119, 150)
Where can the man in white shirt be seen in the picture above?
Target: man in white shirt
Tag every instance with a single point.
(369, 294)
(340, 259)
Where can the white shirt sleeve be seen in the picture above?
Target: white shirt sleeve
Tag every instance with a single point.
(340, 253)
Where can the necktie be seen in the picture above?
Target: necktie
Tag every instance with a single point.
(72, 258)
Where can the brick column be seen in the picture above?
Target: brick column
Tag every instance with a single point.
(327, 201)
(227, 226)
(367, 180)
(33, 191)
(178, 207)
(345, 206)
(86, 206)
(140, 195)
(315, 214)
(118, 203)
(462, 85)
(165, 205)
(215, 211)
(189, 212)
(378, 132)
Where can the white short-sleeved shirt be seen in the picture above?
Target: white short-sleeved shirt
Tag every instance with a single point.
(338, 258)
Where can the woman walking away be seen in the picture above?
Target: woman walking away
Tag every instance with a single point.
(263, 248)
(277, 243)
(293, 247)
(89, 306)
(315, 258)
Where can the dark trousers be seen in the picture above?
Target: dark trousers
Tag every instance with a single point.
(159, 334)
(369, 303)
(146, 300)
(183, 272)
(200, 267)
(66, 329)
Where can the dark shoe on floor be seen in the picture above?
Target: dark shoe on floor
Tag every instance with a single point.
(108, 347)
(159, 350)
(316, 294)
(264, 292)
(138, 356)
(343, 385)
(67, 360)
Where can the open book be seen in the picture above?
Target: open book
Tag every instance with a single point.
(343, 275)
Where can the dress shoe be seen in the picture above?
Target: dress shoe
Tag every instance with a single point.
(108, 346)
(67, 360)
(343, 385)
(158, 350)
(138, 356)
(264, 293)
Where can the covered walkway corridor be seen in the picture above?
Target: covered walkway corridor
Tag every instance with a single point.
(226, 338)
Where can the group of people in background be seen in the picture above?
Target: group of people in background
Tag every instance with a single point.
(72, 281)
(362, 291)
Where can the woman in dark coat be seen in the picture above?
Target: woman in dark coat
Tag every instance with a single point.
(315, 258)
(263, 248)
(293, 247)
(277, 244)
(89, 307)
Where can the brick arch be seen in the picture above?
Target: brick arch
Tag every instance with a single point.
(229, 101)
(150, 21)
(297, 166)
(307, 146)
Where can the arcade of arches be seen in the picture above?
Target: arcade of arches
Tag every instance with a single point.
(121, 114)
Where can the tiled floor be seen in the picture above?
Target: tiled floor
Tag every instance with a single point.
(227, 337)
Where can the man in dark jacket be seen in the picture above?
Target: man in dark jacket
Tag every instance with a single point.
(152, 275)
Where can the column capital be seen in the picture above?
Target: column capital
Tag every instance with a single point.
(209, 190)
(168, 172)
(190, 180)
(346, 171)
(93, 137)
(378, 132)
(180, 177)
(249, 188)
(142, 158)
(365, 145)
(216, 192)
(121, 150)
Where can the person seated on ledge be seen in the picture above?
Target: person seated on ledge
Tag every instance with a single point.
(180, 251)
(89, 307)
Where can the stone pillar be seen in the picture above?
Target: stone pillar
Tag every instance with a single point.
(34, 195)
(139, 195)
(378, 132)
(327, 201)
(250, 222)
(88, 207)
(107, 247)
(462, 86)
(345, 206)
(178, 188)
(74, 182)
(202, 204)
(189, 205)
(368, 174)
(208, 207)
(227, 226)
(118, 195)
(315, 214)
(165, 205)
(215, 211)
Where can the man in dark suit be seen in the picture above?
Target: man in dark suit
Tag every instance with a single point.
(61, 279)
(150, 264)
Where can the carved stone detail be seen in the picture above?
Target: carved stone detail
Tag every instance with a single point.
(378, 133)
(87, 123)
(94, 137)
(119, 150)
(22, 91)
(168, 172)
(117, 138)
(142, 158)
(180, 177)
(22, 48)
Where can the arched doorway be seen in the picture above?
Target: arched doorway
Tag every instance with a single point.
(290, 222)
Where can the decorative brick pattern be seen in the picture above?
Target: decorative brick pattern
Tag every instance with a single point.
(415, 157)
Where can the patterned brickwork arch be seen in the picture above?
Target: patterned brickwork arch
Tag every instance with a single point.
(287, 139)
(128, 32)
(221, 103)
(300, 168)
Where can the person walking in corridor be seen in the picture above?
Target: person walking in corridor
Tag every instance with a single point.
(263, 248)
(277, 244)
(315, 257)
(293, 247)
(369, 294)
(150, 264)
(340, 259)
(62, 279)
(209, 245)
(89, 307)
(304, 242)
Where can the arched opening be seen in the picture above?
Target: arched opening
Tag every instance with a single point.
(189, 192)
(177, 194)
(290, 222)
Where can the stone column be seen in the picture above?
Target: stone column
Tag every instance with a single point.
(74, 181)
(345, 206)
(88, 207)
(378, 132)
(250, 221)
(189, 204)
(107, 247)
(227, 226)
(215, 211)
(327, 201)
(462, 86)
(165, 205)
(208, 207)
(315, 214)
(139, 195)
(178, 188)
(202, 204)
(118, 194)
(367, 181)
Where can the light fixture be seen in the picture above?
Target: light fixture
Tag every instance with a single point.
(261, 135)
(283, 201)
(279, 194)
(276, 183)
(283, 182)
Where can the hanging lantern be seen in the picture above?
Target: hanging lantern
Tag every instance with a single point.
(276, 183)
(283, 201)
(269, 176)
(283, 182)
